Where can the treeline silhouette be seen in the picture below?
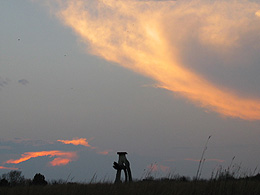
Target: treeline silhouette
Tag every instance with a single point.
(15, 178)
(224, 183)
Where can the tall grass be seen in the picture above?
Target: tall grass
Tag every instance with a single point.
(225, 182)
(165, 187)
(202, 160)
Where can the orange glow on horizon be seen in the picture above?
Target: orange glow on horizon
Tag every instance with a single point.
(63, 158)
(147, 37)
(77, 141)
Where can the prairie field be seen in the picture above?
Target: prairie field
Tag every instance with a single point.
(165, 187)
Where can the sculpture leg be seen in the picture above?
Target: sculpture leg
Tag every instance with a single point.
(125, 175)
(129, 174)
(127, 164)
(118, 176)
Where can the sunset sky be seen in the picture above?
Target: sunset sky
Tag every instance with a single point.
(81, 80)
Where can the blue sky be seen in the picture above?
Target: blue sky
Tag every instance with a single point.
(59, 84)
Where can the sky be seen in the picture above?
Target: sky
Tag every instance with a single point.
(81, 80)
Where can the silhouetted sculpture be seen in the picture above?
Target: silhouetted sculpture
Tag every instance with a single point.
(39, 179)
(123, 164)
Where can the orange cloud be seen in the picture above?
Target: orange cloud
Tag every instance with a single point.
(105, 152)
(258, 13)
(84, 142)
(60, 161)
(77, 141)
(149, 37)
(9, 168)
(63, 158)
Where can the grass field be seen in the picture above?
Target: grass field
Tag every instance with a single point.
(166, 187)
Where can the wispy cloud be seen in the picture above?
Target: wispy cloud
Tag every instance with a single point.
(104, 152)
(124, 32)
(77, 141)
(9, 168)
(26, 141)
(85, 142)
(23, 81)
(4, 81)
(61, 157)
(59, 154)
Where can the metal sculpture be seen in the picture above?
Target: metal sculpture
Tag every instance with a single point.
(123, 164)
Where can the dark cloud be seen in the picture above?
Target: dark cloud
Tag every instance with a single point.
(4, 82)
(23, 81)
(23, 144)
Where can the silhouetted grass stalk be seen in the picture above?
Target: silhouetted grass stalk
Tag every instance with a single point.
(198, 174)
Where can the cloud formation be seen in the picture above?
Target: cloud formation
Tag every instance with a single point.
(157, 39)
(25, 142)
(4, 82)
(23, 81)
(105, 152)
(9, 168)
(84, 142)
(61, 158)
(77, 141)
(258, 13)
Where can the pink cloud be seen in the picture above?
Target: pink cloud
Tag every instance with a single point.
(156, 167)
(153, 167)
(62, 158)
(164, 168)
